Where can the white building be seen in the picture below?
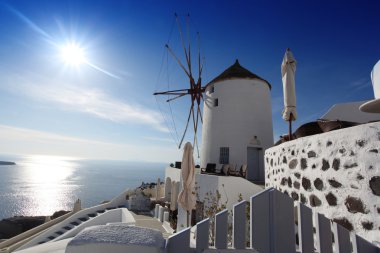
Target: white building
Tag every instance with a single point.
(350, 112)
(237, 121)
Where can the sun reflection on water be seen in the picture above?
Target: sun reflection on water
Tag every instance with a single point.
(49, 177)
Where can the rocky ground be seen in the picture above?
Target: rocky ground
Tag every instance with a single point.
(11, 227)
(7, 163)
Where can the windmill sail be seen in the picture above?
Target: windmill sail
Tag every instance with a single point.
(189, 87)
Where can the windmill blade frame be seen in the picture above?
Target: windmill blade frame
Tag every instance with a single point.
(195, 90)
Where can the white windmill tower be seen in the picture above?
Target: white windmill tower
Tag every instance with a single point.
(237, 121)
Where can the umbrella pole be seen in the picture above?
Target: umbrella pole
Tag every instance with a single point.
(187, 218)
(290, 126)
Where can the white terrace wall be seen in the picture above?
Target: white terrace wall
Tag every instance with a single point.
(337, 173)
(229, 187)
(119, 215)
(115, 202)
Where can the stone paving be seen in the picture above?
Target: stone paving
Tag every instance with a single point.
(150, 222)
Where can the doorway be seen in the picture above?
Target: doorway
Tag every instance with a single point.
(255, 170)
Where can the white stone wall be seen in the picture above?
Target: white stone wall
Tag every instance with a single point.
(337, 173)
(244, 111)
(229, 187)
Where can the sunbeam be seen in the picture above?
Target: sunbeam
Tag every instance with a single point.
(28, 22)
(71, 53)
(102, 70)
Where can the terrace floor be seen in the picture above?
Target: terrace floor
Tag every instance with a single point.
(150, 222)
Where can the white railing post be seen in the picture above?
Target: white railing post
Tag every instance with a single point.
(342, 239)
(362, 246)
(161, 213)
(260, 222)
(239, 225)
(221, 229)
(156, 210)
(305, 229)
(202, 235)
(283, 234)
(272, 222)
(166, 216)
(323, 227)
(179, 242)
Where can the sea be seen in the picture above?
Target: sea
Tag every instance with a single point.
(42, 185)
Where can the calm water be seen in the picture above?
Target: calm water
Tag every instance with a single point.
(41, 185)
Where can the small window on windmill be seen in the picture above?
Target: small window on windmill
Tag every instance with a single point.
(224, 157)
(216, 102)
(212, 89)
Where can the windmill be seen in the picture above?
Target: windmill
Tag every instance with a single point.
(194, 91)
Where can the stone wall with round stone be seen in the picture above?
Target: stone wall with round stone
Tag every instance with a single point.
(336, 173)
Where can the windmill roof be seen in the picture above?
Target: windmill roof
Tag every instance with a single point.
(237, 71)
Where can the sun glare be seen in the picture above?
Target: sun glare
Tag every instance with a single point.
(72, 54)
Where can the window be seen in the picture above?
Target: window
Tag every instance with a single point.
(212, 89)
(224, 157)
(216, 102)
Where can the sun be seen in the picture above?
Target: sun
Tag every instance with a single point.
(73, 54)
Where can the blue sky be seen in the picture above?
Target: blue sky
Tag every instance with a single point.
(105, 109)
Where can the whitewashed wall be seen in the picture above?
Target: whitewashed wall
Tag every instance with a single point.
(244, 111)
(173, 173)
(337, 173)
(120, 215)
(229, 187)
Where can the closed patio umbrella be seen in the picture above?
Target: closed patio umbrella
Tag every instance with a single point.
(186, 197)
(174, 196)
(158, 189)
(288, 69)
